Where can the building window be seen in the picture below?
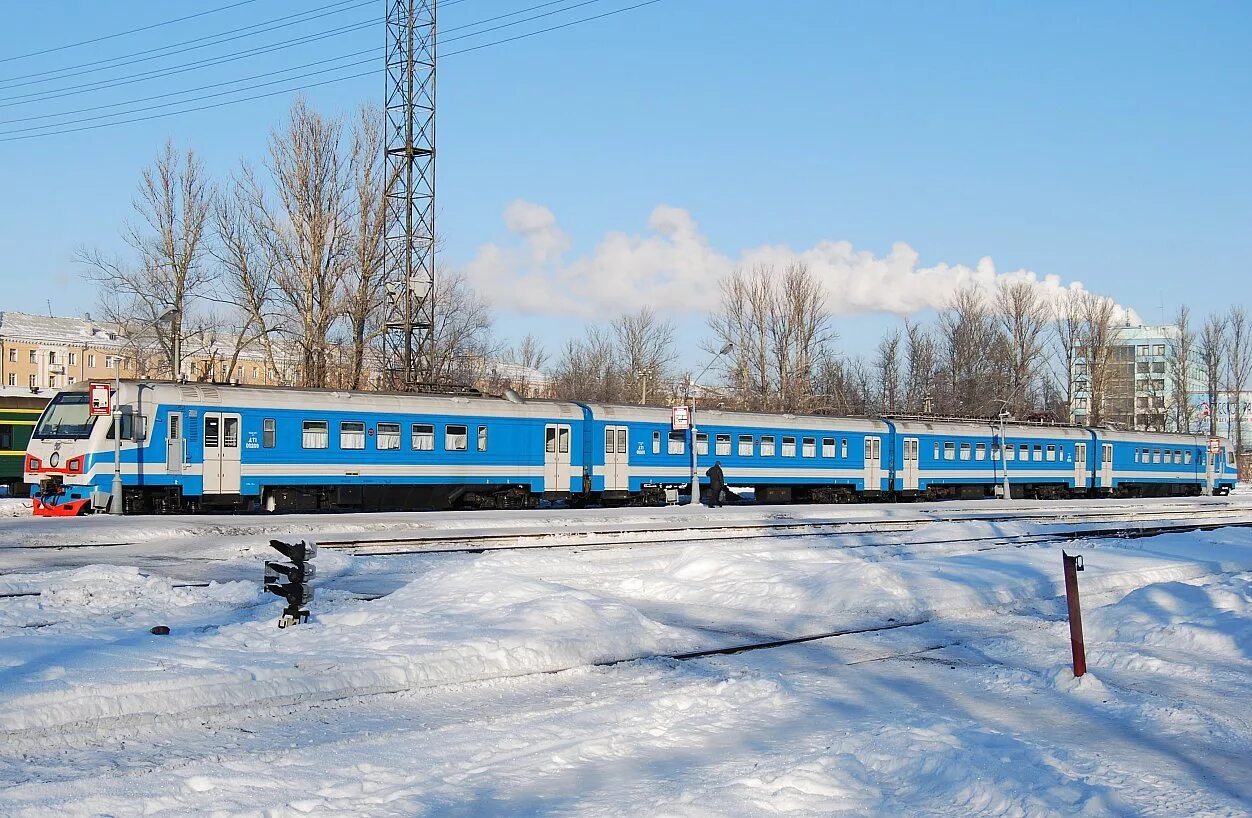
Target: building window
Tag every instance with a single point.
(745, 445)
(32, 381)
(965, 450)
(722, 442)
(268, 433)
(767, 445)
(828, 447)
(702, 443)
(108, 361)
(388, 436)
(91, 360)
(980, 451)
(809, 447)
(455, 438)
(34, 357)
(1143, 349)
(52, 357)
(12, 355)
(52, 380)
(12, 379)
(423, 437)
(949, 451)
(656, 442)
(677, 442)
(1159, 349)
(482, 438)
(71, 380)
(316, 434)
(73, 358)
(789, 447)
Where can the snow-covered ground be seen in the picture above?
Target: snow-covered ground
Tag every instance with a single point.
(533, 682)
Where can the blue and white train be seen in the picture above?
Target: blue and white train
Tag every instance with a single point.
(192, 446)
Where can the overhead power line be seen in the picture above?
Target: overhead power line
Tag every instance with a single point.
(167, 71)
(244, 31)
(13, 136)
(102, 38)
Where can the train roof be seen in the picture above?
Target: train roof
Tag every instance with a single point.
(1031, 430)
(286, 397)
(660, 414)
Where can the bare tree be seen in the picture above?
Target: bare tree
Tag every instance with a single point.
(588, 369)
(975, 371)
(363, 287)
(645, 351)
(781, 333)
(1096, 343)
(308, 233)
(1067, 332)
(887, 370)
(1182, 371)
(464, 348)
(173, 206)
(1238, 371)
(530, 353)
(1210, 349)
(1023, 314)
(920, 376)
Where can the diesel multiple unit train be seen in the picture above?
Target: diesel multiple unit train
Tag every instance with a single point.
(191, 446)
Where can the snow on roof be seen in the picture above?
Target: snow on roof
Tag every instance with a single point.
(25, 326)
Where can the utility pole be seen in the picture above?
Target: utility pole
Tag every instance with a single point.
(409, 240)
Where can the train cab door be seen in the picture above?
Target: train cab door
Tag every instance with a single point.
(910, 464)
(175, 444)
(1080, 465)
(873, 464)
(616, 458)
(556, 457)
(1106, 465)
(221, 453)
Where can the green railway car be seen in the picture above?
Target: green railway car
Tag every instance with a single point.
(18, 413)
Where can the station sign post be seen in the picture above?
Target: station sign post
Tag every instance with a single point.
(99, 398)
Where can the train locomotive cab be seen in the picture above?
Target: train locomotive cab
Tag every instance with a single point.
(59, 455)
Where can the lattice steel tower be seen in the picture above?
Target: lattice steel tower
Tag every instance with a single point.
(409, 241)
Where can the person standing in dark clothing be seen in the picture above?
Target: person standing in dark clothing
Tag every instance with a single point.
(717, 484)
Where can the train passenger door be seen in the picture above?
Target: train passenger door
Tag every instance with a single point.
(1080, 465)
(556, 457)
(1106, 465)
(221, 453)
(616, 459)
(910, 464)
(1210, 460)
(873, 464)
(175, 444)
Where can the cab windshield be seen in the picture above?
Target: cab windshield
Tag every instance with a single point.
(66, 416)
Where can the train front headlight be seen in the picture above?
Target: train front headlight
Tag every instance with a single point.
(74, 465)
(54, 460)
(33, 463)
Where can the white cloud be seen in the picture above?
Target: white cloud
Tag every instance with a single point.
(671, 268)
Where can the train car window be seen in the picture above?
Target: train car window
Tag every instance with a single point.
(767, 445)
(843, 448)
(656, 442)
(212, 432)
(809, 447)
(1156, 455)
(789, 447)
(125, 428)
(388, 436)
(609, 435)
(621, 441)
(316, 434)
(1050, 453)
(549, 445)
(965, 451)
(6, 437)
(230, 439)
(482, 438)
(351, 434)
(702, 443)
(936, 450)
(1010, 452)
(423, 437)
(995, 452)
(455, 438)
(980, 451)
(745, 445)
(1136, 455)
(677, 442)
(949, 450)
(1186, 457)
(828, 447)
(1038, 453)
(1177, 456)
(1023, 451)
(723, 445)
(563, 440)
(268, 432)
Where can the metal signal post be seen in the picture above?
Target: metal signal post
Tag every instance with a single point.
(409, 239)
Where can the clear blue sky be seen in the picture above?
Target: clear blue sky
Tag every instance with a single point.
(1105, 142)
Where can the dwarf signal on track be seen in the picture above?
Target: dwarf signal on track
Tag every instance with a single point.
(298, 572)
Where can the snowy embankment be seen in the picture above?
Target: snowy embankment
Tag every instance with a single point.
(15, 507)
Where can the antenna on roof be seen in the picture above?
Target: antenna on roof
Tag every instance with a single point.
(512, 397)
(48, 301)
